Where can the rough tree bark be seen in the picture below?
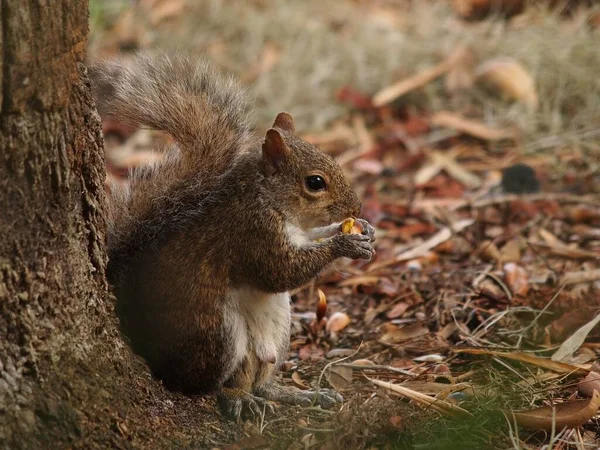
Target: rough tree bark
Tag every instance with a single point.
(67, 379)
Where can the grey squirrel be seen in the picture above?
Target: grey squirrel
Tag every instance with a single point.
(205, 244)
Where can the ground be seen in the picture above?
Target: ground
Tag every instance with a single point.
(426, 110)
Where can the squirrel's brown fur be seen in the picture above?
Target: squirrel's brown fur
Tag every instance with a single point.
(204, 245)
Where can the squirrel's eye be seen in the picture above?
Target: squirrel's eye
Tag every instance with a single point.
(315, 183)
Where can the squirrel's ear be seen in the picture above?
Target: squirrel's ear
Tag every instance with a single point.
(285, 122)
(274, 150)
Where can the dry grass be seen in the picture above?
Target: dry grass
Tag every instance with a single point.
(324, 46)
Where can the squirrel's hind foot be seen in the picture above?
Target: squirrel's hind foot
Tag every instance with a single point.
(326, 398)
(236, 404)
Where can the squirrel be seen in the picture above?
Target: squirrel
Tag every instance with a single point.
(205, 244)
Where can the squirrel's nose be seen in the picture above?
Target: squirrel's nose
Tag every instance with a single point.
(356, 211)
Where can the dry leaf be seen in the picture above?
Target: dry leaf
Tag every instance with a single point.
(507, 78)
(337, 322)
(516, 278)
(339, 377)
(511, 252)
(393, 334)
(250, 443)
(589, 384)
(584, 276)
(298, 381)
(488, 251)
(311, 352)
(557, 247)
(391, 93)
(570, 414)
(529, 359)
(479, 9)
(479, 130)
(420, 250)
(363, 362)
(397, 310)
(573, 343)
(321, 306)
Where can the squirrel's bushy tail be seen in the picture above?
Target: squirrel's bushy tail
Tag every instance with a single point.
(207, 115)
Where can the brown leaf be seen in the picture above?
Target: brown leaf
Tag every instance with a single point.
(311, 352)
(393, 334)
(589, 384)
(511, 252)
(471, 127)
(363, 362)
(339, 377)
(338, 321)
(479, 9)
(488, 251)
(250, 443)
(516, 278)
(507, 78)
(398, 89)
(298, 381)
(397, 310)
(570, 414)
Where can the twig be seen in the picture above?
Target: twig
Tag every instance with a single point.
(378, 367)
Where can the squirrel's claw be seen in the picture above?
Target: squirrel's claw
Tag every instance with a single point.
(235, 403)
(327, 398)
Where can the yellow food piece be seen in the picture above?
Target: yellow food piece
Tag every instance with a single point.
(347, 225)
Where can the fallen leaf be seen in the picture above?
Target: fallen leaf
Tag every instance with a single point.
(250, 443)
(516, 278)
(584, 276)
(507, 78)
(337, 322)
(311, 352)
(397, 310)
(394, 334)
(511, 252)
(435, 358)
(573, 343)
(420, 250)
(396, 90)
(339, 377)
(363, 362)
(298, 381)
(480, 9)
(589, 384)
(488, 251)
(570, 414)
(471, 127)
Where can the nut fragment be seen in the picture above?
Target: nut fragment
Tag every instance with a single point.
(347, 225)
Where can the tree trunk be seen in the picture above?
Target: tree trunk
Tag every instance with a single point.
(67, 379)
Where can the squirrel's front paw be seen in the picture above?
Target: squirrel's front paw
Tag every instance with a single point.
(367, 229)
(237, 403)
(354, 246)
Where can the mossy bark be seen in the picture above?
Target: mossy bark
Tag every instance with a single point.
(67, 379)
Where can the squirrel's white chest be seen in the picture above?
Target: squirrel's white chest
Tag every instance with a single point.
(258, 322)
